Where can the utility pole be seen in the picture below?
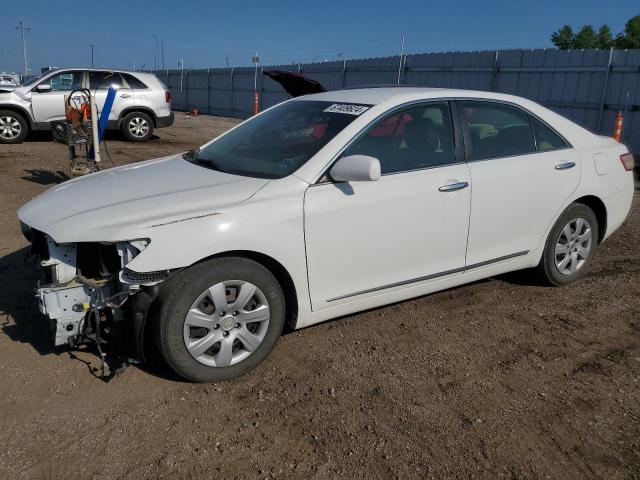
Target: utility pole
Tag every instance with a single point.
(91, 46)
(401, 56)
(162, 54)
(156, 53)
(256, 97)
(22, 29)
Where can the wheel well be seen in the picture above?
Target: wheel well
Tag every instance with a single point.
(281, 274)
(148, 111)
(600, 211)
(19, 110)
(148, 326)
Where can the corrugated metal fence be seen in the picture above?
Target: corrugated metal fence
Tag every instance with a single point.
(587, 86)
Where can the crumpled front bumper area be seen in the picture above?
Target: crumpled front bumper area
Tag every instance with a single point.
(86, 291)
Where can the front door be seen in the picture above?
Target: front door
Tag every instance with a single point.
(50, 106)
(410, 226)
(522, 173)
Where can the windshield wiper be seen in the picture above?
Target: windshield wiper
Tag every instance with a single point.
(208, 163)
(190, 154)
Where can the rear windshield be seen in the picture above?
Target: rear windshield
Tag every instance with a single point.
(279, 141)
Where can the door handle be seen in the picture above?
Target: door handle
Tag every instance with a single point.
(125, 95)
(565, 165)
(452, 187)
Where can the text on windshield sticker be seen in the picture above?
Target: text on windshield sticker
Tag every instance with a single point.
(345, 108)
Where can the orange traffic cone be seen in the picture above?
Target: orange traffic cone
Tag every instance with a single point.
(194, 112)
(617, 127)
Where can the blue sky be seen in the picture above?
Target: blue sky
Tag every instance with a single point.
(205, 33)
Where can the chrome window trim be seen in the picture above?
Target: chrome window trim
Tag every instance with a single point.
(390, 174)
(357, 136)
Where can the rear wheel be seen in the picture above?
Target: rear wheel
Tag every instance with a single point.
(220, 319)
(13, 127)
(570, 246)
(137, 127)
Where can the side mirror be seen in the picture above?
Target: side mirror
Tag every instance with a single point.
(356, 168)
(43, 87)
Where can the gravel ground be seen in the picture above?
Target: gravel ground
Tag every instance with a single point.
(497, 379)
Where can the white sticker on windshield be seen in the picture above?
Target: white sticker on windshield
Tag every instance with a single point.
(345, 108)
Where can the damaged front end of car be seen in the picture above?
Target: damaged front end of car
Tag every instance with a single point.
(89, 294)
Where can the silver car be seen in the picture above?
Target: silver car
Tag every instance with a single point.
(142, 102)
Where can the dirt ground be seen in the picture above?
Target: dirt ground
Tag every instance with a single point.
(498, 379)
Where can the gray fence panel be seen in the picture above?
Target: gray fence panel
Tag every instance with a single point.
(587, 86)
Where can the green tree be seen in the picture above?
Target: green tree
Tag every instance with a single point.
(564, 38)
(631, 36)
(604, 39)
(586, 38)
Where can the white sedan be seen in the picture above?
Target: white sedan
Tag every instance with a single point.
(319, 207)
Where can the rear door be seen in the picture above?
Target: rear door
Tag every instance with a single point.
(522, 172)
(99, 84)
(50, 106)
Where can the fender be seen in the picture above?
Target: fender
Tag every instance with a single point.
(143, 109)
(18, 109)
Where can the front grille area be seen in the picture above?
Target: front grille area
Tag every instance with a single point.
(145, 277)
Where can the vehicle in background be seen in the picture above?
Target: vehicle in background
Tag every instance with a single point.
(142, 102)
(319, 207)
(9, 81)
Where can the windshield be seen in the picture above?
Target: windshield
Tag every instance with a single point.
(33, 80)
(279, 141)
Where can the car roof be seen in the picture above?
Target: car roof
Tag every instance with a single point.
(85, 69)
(376, 95)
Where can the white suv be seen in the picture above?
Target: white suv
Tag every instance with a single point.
(142, 102)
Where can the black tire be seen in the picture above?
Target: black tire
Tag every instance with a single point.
(547, 269)
(137, 127)
(8, 125)
(181, 292)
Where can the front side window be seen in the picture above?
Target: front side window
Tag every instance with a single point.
(416, 137)
(104, 80)
(65, 81)
(278, 142)
(497, 130)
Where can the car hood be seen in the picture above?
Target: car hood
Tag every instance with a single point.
(115, 204)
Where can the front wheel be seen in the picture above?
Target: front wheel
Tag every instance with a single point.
(220, 319)
(13, 127)
(137, 127)
(570, 246)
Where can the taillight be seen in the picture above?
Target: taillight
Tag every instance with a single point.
(628, 161)
(167, 96)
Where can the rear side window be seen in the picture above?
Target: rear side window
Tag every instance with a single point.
(133, 82)
(497, 130)
(104, 80)
(546, 139)
(416, 137)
